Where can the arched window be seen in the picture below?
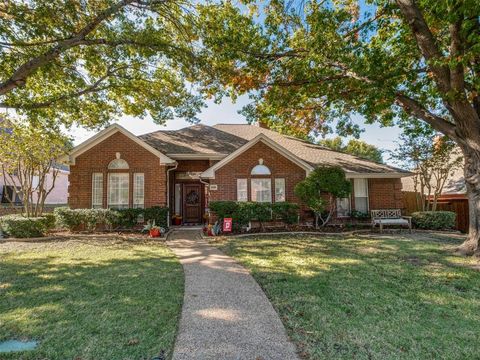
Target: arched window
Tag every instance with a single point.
(118, 164)
(260, 169)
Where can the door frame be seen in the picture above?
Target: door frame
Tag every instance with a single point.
(184, 182)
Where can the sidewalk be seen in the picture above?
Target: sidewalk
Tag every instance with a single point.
(225, 314)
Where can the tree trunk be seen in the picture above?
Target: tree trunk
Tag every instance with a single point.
(472, 179)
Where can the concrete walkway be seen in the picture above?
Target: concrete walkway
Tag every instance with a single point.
(225, 315)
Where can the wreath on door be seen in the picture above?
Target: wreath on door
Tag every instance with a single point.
(192, 198)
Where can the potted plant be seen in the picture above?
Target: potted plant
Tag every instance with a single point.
(153, 230)
(177, 219)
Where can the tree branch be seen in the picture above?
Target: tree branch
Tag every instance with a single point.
(413, 107)
(426, 42)
(25, 70)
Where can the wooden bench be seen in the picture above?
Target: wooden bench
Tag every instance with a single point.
(390, 217)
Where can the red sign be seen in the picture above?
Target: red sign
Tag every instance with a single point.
(227, 224)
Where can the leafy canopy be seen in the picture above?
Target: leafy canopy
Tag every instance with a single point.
(355, 147)
(89, 62)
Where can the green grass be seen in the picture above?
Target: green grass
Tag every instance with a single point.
(369, 298)
(96, 298)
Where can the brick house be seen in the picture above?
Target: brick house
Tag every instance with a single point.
(187, 168)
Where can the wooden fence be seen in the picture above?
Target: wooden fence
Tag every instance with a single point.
(456, 203)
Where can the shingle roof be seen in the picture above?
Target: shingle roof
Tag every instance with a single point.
(226, 138)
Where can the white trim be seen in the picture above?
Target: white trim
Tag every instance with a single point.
(197, 156)
(391, 175)
(210, 172)
(109, 131)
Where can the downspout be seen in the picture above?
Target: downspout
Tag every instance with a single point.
(168, 190)
(208, 194)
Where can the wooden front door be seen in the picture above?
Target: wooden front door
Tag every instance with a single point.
(192, 203)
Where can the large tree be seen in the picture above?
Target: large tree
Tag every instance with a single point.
(87, 62)
(389, 60)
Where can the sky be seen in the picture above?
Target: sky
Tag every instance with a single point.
(227, 112)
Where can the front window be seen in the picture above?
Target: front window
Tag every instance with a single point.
(261, 190)
(260, 169)
(279, 190)
(360, 189)
(242, 190)
(118, 184)
(138, 190)
(343, 207)
(97, 190)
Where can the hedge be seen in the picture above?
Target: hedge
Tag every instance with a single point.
(242, 212)
(434, 220)
(91, 219)
(21, 227)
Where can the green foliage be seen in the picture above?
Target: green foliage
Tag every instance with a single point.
(98, 60)
(88, 219)
(157, 214)
(91, 219)
(434, 220)
(243, 212)
(354, 147)
(287, 212)
(128, 218)
(359, 214)
(30, 152)
(19, 226)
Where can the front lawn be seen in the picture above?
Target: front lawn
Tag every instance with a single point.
(392, 297)
(90, 298)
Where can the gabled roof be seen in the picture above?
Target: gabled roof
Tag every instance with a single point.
(210, 173)
(221, 140)
(109, 131)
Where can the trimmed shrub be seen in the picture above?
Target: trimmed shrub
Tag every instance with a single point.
(243, 212)
(92, 219)
(434, 220)
(286, 212)
(158, 214)
(89, 219)
(22, 227)
(128, 218)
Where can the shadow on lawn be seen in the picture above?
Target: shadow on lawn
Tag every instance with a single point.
(81, 306)
(380, 297)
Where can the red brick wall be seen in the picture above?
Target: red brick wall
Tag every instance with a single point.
(385, 194)
(97, 159)
(280, 167)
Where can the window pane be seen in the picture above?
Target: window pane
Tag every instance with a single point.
(360, 189)
(260, 170)
(138, 190)
(178, 198)
(361, 204)
(261, 190)
(343, 207)
(279, 190)
(97, 190)
(118, 190)
(242, 190)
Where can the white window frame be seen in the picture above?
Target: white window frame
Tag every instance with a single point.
(97, 193)
(282, 182)
(136, 190)
(366, 196)
(242, 194)
(254, 198)
(120, 205)
(349, 207)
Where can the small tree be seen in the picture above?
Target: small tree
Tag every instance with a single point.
(320, 189)
(28, 156)
(432, 158)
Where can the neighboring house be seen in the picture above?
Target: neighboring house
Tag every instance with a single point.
(58, 196)
(187, 168)
(453, 197)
